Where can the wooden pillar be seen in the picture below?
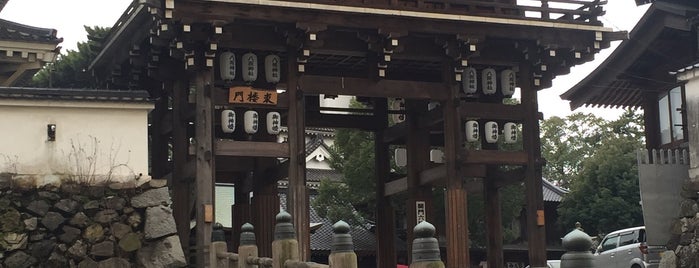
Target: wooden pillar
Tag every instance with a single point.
(297, 197)
(241, 208)
(493, 224)
(205, 166)
(159, 141)
(385, 221)
(265, 206)
(651, 124)
(536, 230)
(458, 254)
(181, 184)
(418, 150)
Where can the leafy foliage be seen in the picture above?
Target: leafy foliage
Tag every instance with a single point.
(70, 69)
(604, 195)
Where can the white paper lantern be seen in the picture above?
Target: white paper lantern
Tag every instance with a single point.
(226, 64)
(491, 132)
(228, 121)
(401, 156)
(252, 122)
(470, 83)
(273, 68)
(472, 131)
(398, 104)
(490, 83)
(249, 67)
(437, 156)
(510, 133)
(274, 123)
(508, 82)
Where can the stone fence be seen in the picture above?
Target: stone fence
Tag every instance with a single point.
(285, 253)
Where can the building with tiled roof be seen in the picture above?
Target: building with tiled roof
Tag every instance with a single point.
(24, 50)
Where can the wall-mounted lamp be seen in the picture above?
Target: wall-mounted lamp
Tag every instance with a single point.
(51, 132)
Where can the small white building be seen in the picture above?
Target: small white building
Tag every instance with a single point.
(48, 136)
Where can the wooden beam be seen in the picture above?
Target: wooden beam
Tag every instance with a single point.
(316, 84)
(495, 157)
(385, 220)
(205, 167)
(433, 175)
(456, 193)
(493, 111)
(297, 197)
(181, 179)
(362, 122)
(395, 133)
(536, 228)
(251, 148)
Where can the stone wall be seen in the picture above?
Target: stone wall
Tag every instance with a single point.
(683, 247)
(88, 226)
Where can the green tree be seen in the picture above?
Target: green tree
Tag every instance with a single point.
(604, 195)
(70, 69)
(566, 141)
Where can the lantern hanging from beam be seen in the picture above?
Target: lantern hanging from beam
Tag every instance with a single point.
(274, 123)
(272, 68)
(491, 132)
(249, 67)
(490, 83)
(401, 157)
(508, 82)
(472, 131)
(227, 66)
(227, 121)
(251, 122)
(510, 133)
(470, 83)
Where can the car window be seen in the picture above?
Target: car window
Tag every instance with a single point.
(628, 239)
(610, 243)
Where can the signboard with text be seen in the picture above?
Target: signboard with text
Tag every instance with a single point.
(249, 95)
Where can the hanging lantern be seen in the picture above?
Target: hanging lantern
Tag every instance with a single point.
(272, 68)
(251, 122)
(401, 157)
(398, 104)
(470, 83)
(472, 131)
(227, 66)
(510, 133)
(489, 81)
(228, 121)
(437, 156)
(274, 123)
(249, 67)
(491, 132)
(508, 82)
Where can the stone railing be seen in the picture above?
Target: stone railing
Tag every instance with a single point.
(285, 252)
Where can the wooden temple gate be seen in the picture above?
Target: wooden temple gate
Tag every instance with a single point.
(464, 55)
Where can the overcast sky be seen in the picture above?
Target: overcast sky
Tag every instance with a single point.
(69, 17)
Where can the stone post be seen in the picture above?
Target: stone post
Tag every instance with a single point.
(342, 254)
(425, 247)
(219, 247)
(285, 246)
(248, 246)
(577, 244)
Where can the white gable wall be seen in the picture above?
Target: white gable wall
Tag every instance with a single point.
(95, 141)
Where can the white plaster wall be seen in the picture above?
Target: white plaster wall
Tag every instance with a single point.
(113, 136)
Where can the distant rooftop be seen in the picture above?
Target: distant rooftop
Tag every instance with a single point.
(12, 31)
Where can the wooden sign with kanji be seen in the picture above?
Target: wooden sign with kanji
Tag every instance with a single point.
(249, 95)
